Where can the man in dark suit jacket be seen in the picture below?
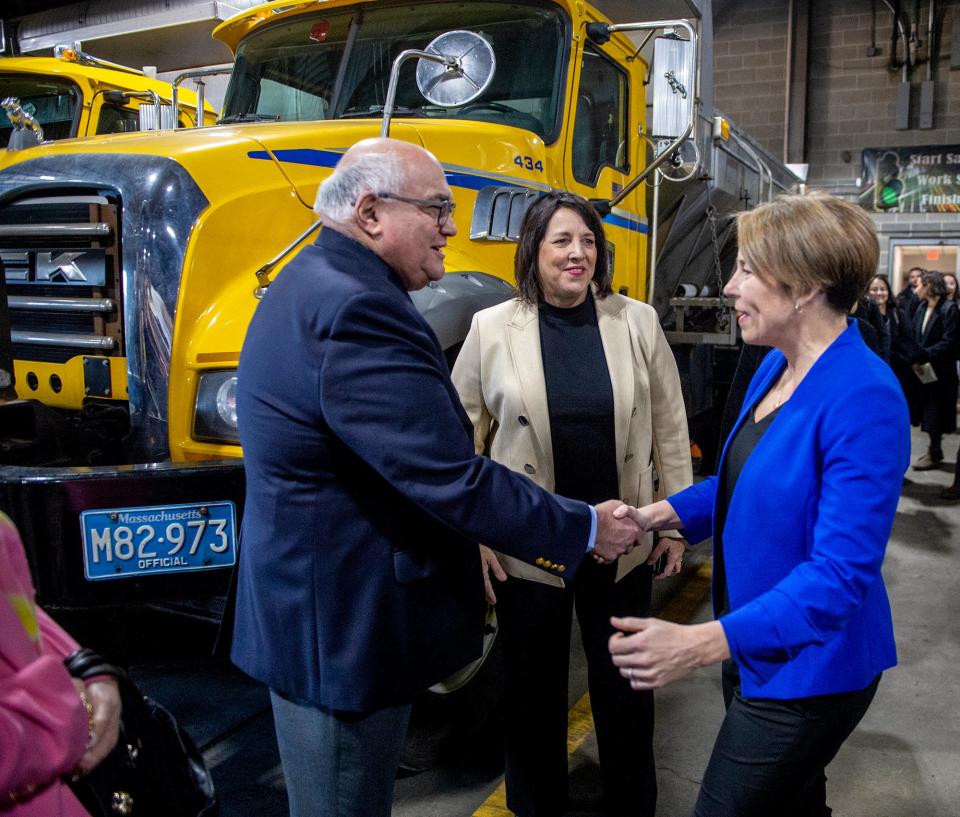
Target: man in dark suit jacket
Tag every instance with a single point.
(907, 298)
(359, 581)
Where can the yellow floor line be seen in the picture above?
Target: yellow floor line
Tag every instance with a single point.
(579, 727)
(680, 608)
(495, 805)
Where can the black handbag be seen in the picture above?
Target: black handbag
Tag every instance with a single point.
(155, 770)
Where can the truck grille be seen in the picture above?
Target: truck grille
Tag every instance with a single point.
(61, 256)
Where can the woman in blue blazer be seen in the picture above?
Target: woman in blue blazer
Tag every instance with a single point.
(800, 513)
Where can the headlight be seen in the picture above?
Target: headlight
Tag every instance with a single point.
(215, 415)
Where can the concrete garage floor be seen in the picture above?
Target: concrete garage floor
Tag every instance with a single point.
(903, 761)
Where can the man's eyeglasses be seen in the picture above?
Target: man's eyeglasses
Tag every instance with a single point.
(444, 207)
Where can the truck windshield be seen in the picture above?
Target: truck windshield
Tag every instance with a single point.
(336, 65)
(51, 101)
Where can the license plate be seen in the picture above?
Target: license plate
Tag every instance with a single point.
(123, 542)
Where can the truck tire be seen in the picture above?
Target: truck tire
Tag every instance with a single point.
(459, 721)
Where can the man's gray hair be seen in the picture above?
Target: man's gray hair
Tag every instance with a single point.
(372, 172)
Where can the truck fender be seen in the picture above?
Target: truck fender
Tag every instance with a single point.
(450, 304)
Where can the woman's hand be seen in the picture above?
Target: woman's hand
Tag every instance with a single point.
(489, 563)
(104, 699)
(658, 515)
(674, 548)
(652, 653)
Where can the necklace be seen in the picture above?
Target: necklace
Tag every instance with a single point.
(781, 389)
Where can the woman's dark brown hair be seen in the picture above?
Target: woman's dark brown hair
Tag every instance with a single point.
(934, 284)
(889, 301)
(533, 228)
(956, 290)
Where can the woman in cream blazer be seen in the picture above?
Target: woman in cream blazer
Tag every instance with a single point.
(500, 375)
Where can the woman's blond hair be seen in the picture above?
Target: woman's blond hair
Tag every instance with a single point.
(813, 241)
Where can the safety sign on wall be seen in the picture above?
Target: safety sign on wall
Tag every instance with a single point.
(911, 180)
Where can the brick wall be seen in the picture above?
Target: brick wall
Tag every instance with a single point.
(749, 57)
(851, 97)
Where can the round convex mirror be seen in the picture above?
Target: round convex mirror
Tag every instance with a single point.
(462, 82)
(683, 164)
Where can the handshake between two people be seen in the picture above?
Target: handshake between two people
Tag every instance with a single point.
(620, 528)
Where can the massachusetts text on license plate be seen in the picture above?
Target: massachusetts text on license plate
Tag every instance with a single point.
(122, 542)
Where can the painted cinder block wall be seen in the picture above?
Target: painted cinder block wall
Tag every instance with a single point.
(851, 97)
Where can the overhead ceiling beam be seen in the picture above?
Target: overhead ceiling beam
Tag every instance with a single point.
(41, 32)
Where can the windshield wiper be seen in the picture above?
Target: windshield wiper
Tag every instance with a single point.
(249, 117)
(374, 110)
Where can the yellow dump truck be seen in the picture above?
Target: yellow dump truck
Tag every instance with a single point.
(133, 262)
(73, 94)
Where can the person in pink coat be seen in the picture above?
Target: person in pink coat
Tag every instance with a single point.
(52, 726)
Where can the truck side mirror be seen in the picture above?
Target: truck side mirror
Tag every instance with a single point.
(672, 77)
(463, 81)
(454, 69)
(149, 120)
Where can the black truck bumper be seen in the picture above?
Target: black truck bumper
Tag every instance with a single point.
(46, 504)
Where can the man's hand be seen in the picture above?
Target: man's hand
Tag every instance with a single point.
(616, 535)
(489, 563)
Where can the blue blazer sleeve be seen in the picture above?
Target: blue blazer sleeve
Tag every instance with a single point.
(694, 506)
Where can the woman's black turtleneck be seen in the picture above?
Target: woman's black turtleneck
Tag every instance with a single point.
(580, 402)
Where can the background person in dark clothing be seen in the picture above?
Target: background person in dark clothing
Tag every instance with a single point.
(950, 280)
(867, 312)
(953, 491)
(907, 298)
(935, 330)
(902, 344)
